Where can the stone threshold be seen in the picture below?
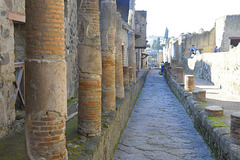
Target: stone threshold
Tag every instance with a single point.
(113, 124)
(217, 138)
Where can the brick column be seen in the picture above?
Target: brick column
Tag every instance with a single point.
(46, 85)
(132, 57)
(118, 62)
(108, 29)
(90, 67)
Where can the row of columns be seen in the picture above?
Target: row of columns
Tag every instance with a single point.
(102, 77)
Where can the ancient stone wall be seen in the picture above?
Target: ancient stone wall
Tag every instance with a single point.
(226, 27)
(19, 42)
(71, 41)
(7, 114)
(141, 29)
(14, 6)
(222, 68)
(204, 41)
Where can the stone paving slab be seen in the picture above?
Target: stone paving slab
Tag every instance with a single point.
(159, 128)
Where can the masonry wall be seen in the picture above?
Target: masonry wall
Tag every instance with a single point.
(227, 26)
(221, 69)
(71, 41)
(141, 29)
(7, 114)
(204, 41)
(19, 42)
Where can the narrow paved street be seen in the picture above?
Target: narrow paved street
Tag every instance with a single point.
(159, 128)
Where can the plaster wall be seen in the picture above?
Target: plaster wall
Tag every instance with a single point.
(221, 69)
(227, 26)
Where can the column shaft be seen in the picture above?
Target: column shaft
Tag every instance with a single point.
(46, 84)
(132, 57)
(108, 29)
(90, 67)
(119, 63)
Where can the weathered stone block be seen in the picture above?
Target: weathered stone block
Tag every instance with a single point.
(216, 111)
(189, 83)
(199, 95)
(179, 74)
(235, 127)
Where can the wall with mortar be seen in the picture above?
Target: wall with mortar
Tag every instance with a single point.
(221, 69)
(204, 41)
(7, 114)
(71, 41)
(227, 26)
(19, 42)
(140, 29)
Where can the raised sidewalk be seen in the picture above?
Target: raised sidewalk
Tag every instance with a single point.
(215, 130)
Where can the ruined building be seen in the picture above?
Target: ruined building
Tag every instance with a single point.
(52, 51)
(221, 68)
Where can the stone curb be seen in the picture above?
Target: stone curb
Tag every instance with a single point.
(218, 139)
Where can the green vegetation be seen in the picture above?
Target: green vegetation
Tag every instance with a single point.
(166, 33)
(72, 100)
(156, 44)
(216, 122)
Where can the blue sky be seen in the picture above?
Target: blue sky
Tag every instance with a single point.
(182, 16)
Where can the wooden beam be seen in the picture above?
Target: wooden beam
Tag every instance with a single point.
(16, 17)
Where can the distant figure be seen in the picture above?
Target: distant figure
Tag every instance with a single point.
(216, 49)
(197, 52)
(192, 51)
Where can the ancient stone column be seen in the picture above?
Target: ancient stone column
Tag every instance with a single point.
(215, 111)
(108, 29)
(90, 67)
(174, 66)
(126, 77)
(131, 42)
(46, 85)
(118, 62)
(179, 73)
(235, 127)
(199, 95)
(189, 83)
(132, 57)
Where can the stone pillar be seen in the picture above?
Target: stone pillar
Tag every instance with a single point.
(118, 62)
(189, 83)
(235, 127)
(108, 29)
(215, 111)
(179, 73)
(46, 85)
(199, 95)
(90, 67)
(126, 77)
(174, 66)
(132, 57)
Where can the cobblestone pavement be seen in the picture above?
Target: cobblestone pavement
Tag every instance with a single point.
(159, 128)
